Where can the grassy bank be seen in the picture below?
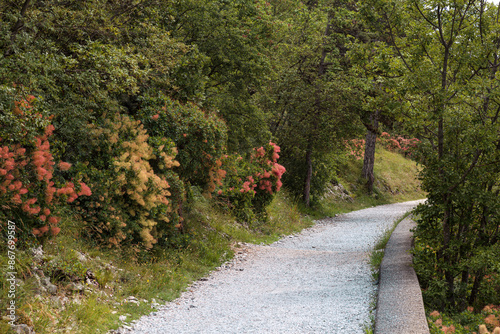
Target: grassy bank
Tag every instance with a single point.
(119, 286)
(395, 181)
(128, 284)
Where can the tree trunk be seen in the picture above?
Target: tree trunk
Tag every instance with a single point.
(475, 287)
(309, 166)
(308, 178)
(369, 160)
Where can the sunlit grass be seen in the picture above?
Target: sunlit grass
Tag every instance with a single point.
(395, 181)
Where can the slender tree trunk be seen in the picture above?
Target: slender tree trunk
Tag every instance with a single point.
(370, 143)
(475, 286)
(309, 167)
(308, 178)
(446, 223)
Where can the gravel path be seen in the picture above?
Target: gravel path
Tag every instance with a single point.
(318, 281)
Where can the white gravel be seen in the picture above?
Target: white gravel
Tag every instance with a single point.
(318, 281)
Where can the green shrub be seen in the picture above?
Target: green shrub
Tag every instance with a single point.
(200, 136)
(476, 281)
(130, 203)
(65, 268)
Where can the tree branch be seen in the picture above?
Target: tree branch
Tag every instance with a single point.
(425, 17)
(16, 28)
(471, 167)
(20, 22)
(391, 34)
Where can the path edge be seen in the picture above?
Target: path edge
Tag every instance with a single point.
(400, 307)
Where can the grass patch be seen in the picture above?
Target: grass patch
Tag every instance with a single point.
(395, 181)
(376, 257)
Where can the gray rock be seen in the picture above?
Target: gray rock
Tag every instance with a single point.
(51, 288)
(132, 299)
(39, 289)
(338, 191)
(75, 287)
(154, 303)
(59, 301)
(37, 254)
(22, 329)
(81, 257)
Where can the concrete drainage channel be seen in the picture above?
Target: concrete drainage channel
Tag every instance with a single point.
(400, 308)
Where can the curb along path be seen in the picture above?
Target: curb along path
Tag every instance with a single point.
(400, 308)
(318, 281)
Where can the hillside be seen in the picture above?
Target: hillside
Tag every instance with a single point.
(396, 180)
(69, 285)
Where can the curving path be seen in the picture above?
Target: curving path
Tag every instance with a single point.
(318, 281)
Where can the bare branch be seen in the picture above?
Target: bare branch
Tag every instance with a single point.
(425, 17)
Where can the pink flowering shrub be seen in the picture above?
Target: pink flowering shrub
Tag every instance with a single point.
(398, 144)
(247, 186)
(33, 186)
(356, 147)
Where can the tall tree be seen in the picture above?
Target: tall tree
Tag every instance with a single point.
(234, 37)
(370, 58)
(310, 97)
(448, 54)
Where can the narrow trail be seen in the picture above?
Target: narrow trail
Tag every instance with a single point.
(318, 281)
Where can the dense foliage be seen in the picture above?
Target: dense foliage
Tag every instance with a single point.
(446, 57)
(200, 137)
(112, 111)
